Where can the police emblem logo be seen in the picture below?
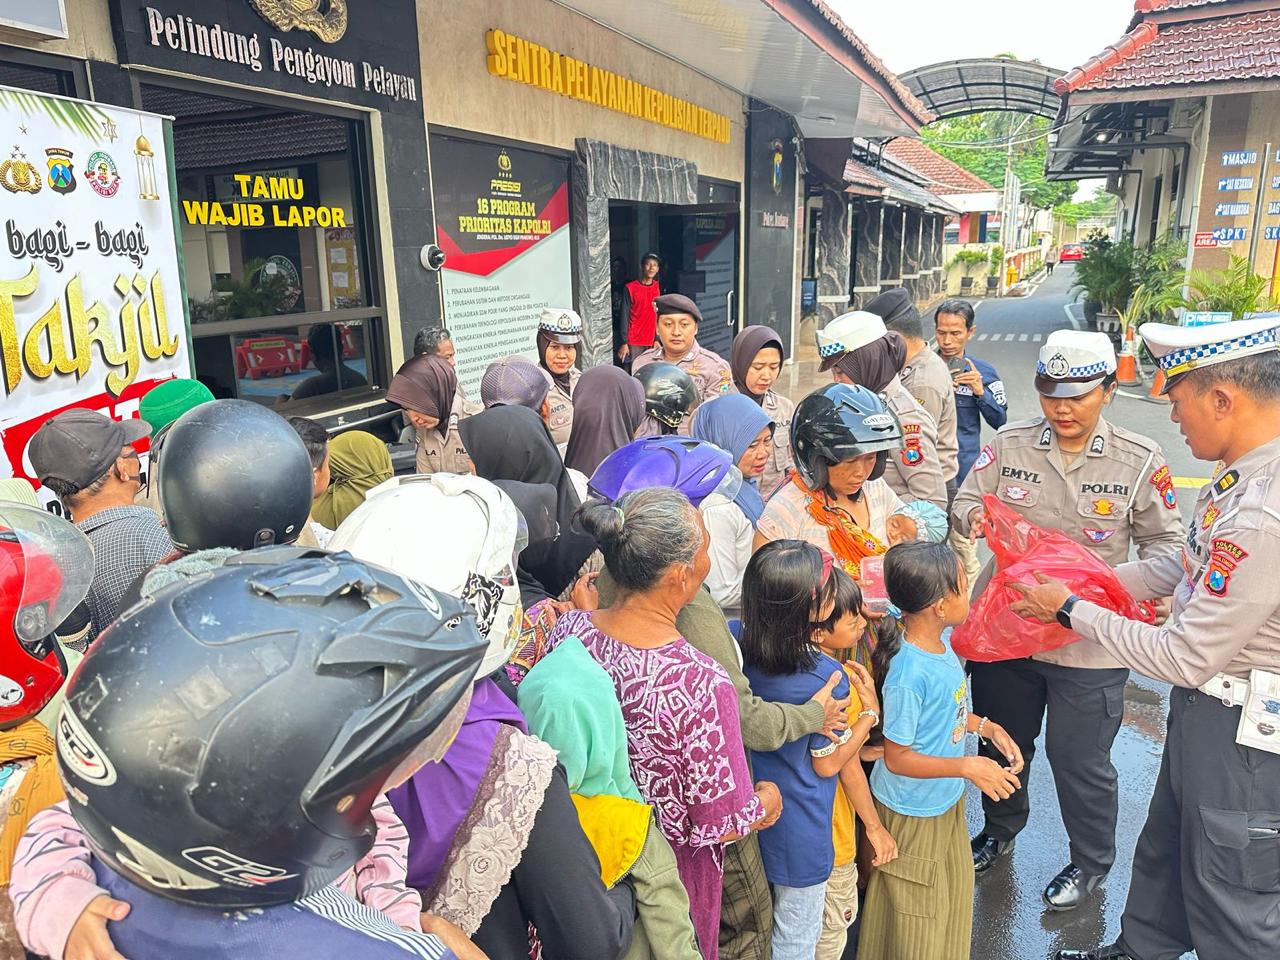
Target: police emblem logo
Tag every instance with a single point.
(1104, 507)
(1162, 480)
(1016, 494)
(62, 177)
(986, 457)
(1058, 366)
(326, 20)
(1098, 536)
(1223, 560)
(18, 175)
(1209, 517)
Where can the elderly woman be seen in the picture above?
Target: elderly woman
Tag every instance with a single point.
(756, 361)
(425, 388)
(741, 428)
(679, 706)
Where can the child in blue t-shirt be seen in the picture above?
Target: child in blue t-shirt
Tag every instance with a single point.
(788, 587)
(921, 904)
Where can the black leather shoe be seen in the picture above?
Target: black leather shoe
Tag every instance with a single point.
(1112, 952)
(987, 850)
(1068, 888)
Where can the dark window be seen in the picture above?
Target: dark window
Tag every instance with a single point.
(32, 71)
(273, 211)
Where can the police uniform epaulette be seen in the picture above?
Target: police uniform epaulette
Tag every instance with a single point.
(1014, 426)
(1020, 431)
(1143, 442)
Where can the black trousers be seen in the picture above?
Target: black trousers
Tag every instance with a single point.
(1206, 872)
(1084, 709)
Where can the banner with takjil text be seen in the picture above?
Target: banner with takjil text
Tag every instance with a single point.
(92, 309)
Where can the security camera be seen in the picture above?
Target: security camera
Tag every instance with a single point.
(432, 257)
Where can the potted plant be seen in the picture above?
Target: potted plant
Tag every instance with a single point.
(969, 260)
(993, 273)
(1236, 290)
(1107, 276)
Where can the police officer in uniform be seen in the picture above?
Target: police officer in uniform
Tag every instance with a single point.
(858, 349)
(1206, 872)
(559, 333)
(925, 375)
(1106, 488)
(678, 319)
(426, 388)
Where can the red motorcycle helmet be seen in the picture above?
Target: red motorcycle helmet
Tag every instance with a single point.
(46, 566)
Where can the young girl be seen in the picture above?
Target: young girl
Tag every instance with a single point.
(920, 906)
(836, 635)
(788, 586)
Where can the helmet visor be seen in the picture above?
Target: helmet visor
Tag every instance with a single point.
(51, 563)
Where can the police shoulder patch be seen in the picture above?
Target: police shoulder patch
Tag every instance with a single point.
(1099, 444)
(1046, 436)
(1162, 480)
(1098, 536)
(1224, 557)
(986, 457)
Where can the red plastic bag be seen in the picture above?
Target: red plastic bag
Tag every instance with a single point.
(1022, 549)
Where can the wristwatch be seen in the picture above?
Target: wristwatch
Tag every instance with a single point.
(1064, 611)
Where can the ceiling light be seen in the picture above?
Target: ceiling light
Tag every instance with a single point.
(1100, 138)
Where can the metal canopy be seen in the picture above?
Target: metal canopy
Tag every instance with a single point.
(1097, 140)
(957, 88)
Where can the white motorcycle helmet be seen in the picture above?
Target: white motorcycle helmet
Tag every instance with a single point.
(456, 534)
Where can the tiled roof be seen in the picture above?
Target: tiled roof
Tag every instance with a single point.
(943, 176)
(905, 96)
(1244, 46)
(866, 180)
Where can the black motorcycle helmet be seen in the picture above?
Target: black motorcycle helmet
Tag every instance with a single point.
(235, 474)
(669, 392)
(222, 743)
(836, 423)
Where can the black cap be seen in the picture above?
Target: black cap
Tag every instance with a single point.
(893, 306)
(79, 445)
(677, 303)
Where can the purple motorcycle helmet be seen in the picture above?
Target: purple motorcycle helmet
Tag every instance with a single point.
(694, 467)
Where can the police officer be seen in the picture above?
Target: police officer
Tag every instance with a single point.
(678, 319)
(559, 333)
(1104, 487)
(426, 387)
(1206, 872)
(924, 374)
(858, 349)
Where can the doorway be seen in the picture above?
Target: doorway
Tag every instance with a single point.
(698, 248)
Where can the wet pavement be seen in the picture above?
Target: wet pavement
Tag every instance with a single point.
(1010, 922)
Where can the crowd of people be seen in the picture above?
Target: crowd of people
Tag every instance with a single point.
(644, 664)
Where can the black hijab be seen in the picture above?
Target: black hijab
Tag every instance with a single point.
(746, 345)
(875, 365)
(561, 379)
(513, 443)
(608, 407)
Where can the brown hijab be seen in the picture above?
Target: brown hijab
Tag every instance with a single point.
(426, 385)
(746, 345)
(875, 365)
(607, 409)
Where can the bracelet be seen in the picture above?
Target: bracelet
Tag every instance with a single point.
(875, 717)
(981, 723)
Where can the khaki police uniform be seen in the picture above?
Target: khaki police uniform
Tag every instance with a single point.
(781, 410)
(709, 370)
(915, 472)
(927, 378)
(445, 454)
(1206, 872)
(560, 422)
(1116, 493)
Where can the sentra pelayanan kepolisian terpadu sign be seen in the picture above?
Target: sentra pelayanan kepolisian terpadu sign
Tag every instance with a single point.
(521, 60)
(91, 302)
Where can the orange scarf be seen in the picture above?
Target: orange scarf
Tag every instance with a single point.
(850, 543)
(30, 745)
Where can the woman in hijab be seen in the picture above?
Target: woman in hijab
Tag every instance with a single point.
(739, 426)
(559, 333)
(512, 443)
(358, 462)
(858, 349)
(425, 388)
(756, 360)
(609, 410)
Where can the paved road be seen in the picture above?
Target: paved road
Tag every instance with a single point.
(1009, 922)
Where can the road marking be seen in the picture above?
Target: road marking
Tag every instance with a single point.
(1071, 317)
(982, 336)
(1038, 338)
(1190, 483)
(1023, 338)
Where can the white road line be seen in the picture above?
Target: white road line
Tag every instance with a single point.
(1071, 317)
(982, 336)
(1022, 338)
(1038, 338)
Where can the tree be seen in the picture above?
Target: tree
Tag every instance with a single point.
(980, 142)
(1101, 204)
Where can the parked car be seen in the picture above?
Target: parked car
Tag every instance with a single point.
(1071, 251)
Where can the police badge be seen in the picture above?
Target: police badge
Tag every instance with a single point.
(62, 178)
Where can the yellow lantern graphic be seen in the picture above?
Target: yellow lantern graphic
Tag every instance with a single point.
(146, 161)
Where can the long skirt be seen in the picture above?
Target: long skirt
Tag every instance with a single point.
(920, 906)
